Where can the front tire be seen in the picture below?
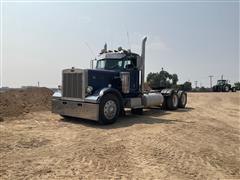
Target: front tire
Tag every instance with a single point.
(172, 101)
(109, 109)
(226, 89)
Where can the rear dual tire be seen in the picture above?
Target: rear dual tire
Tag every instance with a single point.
(172, 101)
(176, 100)
(182, 99)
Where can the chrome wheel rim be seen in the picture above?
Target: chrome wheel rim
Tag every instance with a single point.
(183, 99)
(175, 100)
(110, 109)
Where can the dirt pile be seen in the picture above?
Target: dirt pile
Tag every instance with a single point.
(16, 102)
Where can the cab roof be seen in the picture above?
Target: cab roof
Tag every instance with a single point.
(116, 54)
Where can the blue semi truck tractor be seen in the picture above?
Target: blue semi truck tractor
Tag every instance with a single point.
(116, 83)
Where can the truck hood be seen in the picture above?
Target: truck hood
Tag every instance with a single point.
(98, 79)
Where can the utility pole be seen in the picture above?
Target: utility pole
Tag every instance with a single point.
(211, 76)
(196, 84)
(222, 77)
(38, 83)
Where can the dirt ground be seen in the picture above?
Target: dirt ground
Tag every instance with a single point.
(199, 142)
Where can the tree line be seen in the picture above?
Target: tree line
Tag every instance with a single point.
(164, 79)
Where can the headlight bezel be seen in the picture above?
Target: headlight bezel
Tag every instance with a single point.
(89, 90)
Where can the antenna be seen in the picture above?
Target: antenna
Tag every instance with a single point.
(90, 49)
(129, 44)
(92, 61)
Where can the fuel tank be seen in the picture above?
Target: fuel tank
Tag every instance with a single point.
(152, 99)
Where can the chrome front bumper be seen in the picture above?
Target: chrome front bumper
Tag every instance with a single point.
(77, 109)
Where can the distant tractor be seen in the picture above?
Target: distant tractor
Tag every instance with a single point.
(223, 86)
(117, 82)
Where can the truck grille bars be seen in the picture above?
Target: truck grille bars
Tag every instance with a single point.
(73, 86)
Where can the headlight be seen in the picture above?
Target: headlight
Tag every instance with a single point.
(89, 89)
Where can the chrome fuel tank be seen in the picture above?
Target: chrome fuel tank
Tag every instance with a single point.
(152, 99)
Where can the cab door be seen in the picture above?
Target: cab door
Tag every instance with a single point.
(134, 76)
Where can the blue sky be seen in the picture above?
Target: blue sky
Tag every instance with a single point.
(193, 40)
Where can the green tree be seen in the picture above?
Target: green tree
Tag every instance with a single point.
(187, 86)
(174, 79)
(162, 79)
(153, 79)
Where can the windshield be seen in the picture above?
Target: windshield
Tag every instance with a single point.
(115, 64)
(221, 82)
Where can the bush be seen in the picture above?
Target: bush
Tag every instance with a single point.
(187, 86)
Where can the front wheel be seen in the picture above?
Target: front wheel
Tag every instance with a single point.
(172, 101)
(226, 89)
(109, 109)
(233, 89)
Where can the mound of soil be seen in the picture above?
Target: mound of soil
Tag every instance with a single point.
(18, 101)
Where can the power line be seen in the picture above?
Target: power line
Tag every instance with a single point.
(210, 77)
(196, 84)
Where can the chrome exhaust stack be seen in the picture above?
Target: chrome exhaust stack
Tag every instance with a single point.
(143, 63)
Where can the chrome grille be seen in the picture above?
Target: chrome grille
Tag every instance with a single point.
(73, 85)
